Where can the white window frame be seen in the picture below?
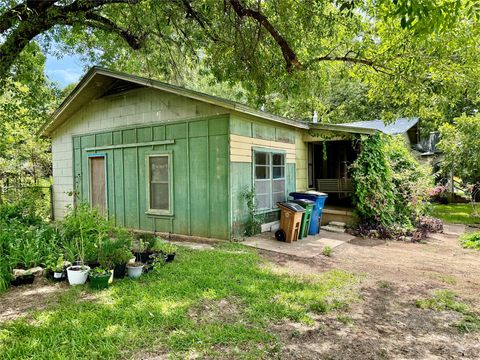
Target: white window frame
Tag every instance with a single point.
(168, 211)
(270, 180)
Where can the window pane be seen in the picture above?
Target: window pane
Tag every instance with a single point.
(278, 186)
(261, 158)
(262, 172)
(278, 172)
(262, 187)
(159, 169)
(262, 202)
(276, 197)
(278, 159)
(159, 196)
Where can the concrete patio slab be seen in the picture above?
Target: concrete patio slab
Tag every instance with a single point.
(307, 248)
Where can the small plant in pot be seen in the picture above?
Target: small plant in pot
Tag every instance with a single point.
(77, 274)
(120, 258)
(140, 250)
(100, 278)
(135, 269)
(168, 250)
(58, 269)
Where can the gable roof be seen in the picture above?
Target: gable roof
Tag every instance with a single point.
(99, 81)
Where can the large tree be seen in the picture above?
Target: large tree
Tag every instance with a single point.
(402, 57)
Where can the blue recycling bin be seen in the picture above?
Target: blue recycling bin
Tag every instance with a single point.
(319, 199)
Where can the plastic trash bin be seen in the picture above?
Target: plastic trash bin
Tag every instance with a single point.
(308, 205)
(319, 199)
(290, 221)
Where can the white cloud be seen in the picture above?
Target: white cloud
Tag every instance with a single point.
(64, 76)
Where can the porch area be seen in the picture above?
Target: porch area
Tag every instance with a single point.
(308, 247)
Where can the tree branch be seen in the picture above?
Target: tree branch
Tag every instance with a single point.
(103, 23)
(288, 53)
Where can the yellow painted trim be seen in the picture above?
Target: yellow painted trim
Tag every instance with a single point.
(241, 148)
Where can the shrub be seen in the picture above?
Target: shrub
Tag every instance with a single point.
(426, 225)
(87, 235)
(26, 240)
(391, 187)
(471, 240)
(374, 196)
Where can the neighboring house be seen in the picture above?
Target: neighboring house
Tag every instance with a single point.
(159, 157)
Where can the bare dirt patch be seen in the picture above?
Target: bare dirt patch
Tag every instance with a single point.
(18, 301)
(224, 311)
(386, 323)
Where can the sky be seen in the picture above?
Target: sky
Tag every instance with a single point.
(64, 71)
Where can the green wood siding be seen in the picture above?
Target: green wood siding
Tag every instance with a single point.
(200, 175)
(241, 173)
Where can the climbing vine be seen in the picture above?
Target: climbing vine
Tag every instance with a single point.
(391, 187)
(374, 196)
(253, 220)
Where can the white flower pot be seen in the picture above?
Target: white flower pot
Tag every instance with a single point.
(134, 272)
(57, 275)
(77, 275)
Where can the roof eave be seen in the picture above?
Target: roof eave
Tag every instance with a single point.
(49, 127)
(342, 128)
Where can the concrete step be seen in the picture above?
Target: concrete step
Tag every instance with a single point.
(332, 228)
(337, 224)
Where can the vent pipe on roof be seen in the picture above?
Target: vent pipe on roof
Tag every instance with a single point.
(315, 117)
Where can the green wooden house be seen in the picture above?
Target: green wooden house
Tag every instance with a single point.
(162, 158)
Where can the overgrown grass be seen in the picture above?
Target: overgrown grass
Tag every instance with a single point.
(155, 312)
(445, 300)
(471, 240)
(455, 213)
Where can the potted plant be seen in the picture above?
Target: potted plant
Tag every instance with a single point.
(135, 269)
(78, 274)
(100, 278)
(58, 269)
(120, 257)
(168, 250)
(140, 250)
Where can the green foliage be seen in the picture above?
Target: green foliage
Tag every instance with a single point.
(100, 271)
(26, 240)
(461, 148)
(327, 251)
(374, 196)
(160, 245)
(411, 180)
(89, 236)
(253, 220)
(471, 240)
(391, 187)
(209, 298)
(445, 300)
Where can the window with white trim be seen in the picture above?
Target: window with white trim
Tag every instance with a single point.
(269, 177)
(159, 183)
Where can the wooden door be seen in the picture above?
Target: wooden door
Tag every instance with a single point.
(98, 183)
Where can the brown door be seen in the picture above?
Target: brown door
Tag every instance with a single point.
(97, 183)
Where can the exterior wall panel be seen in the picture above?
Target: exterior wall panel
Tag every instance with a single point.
(246, 134)
(200, 176)
(136, 107)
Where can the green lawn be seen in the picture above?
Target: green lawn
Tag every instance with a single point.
(211, 303)
(455, 213)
